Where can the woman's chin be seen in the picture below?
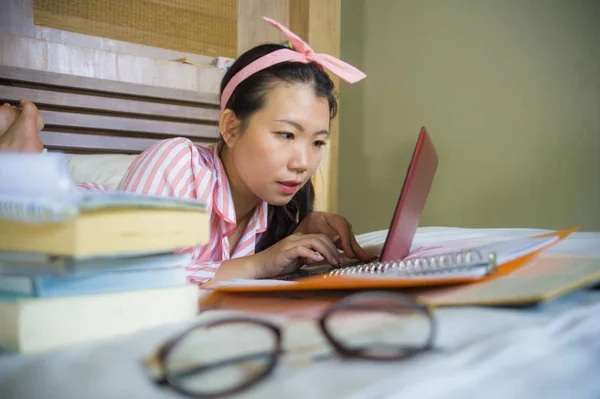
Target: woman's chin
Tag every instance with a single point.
(278, 200)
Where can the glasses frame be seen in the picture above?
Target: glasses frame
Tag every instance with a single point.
(347, 303)
(163, 377)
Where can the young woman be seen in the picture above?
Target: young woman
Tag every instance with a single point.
(277, 104)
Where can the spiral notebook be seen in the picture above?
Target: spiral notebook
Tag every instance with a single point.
(455, 261)
(440, 265)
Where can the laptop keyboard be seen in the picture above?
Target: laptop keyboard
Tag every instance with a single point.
(307, 271)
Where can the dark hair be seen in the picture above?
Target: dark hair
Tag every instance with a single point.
(249, 97)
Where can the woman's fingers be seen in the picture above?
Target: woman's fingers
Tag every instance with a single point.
(332, 254)
(308, 254)
(315, 258)
(347, 241)
(344, 232)
(361, 254)
(331, 246)
(294, 258)
(322, 244)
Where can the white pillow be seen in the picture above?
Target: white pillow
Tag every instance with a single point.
(104, 169)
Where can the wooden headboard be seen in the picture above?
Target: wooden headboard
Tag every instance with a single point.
(91, 115)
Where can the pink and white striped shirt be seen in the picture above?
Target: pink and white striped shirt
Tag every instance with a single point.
(177, 167)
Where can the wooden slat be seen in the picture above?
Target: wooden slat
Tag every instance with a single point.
(252, 30)
(116, 105)
(129, 125)
(74, 141)
(105, 85)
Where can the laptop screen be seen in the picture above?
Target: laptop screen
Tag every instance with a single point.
(412, 199)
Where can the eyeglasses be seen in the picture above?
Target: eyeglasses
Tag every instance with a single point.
(197, 364)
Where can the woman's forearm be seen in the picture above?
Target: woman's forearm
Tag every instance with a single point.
(243, 268)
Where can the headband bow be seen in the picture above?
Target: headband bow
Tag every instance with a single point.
(302, 53)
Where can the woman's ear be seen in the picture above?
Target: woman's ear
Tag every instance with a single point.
(229, 126)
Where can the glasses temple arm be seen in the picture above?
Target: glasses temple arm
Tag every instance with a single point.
(206, 367)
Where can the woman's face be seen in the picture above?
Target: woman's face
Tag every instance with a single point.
(281, 147)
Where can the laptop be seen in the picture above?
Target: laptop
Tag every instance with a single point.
(407, 215)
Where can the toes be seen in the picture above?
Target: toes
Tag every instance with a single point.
(40, 123)
(8, 115)
(22, 135)
(29, 108)
(30, 111)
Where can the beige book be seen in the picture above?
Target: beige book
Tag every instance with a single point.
(38, 324)
(109, 231)
(41, 211)
(542, 279)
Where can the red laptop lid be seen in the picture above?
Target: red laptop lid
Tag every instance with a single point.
(413, 197)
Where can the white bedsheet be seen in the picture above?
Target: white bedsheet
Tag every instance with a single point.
(548, 351)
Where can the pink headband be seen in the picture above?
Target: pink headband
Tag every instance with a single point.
(302, 53)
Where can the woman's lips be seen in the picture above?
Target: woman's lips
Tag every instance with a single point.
(289, 187)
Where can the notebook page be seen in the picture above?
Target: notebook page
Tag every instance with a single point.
(36, 187)
(505, 249)
(33, 175)
(510, 250)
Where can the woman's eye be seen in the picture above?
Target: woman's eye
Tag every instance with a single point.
(319, 143)
(286, 135)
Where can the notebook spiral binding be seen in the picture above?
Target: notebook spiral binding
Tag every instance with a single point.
(431, 265)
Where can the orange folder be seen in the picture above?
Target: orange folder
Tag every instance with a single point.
(327, 281)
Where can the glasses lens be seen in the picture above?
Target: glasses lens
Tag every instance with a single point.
(222, 357)
(382, 327)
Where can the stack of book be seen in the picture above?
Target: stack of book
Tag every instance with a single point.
(79, 266)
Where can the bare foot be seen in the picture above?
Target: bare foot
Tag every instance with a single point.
(22, 135)
(8, 115)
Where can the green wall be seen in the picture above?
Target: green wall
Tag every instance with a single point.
(509, 91)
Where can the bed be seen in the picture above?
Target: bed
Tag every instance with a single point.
(546, 351)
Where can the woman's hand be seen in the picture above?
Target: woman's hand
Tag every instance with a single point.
(319, 237)
(338, 230)
(284, 257)
(292, 252)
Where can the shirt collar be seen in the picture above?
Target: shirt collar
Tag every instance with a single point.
(262, 217)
